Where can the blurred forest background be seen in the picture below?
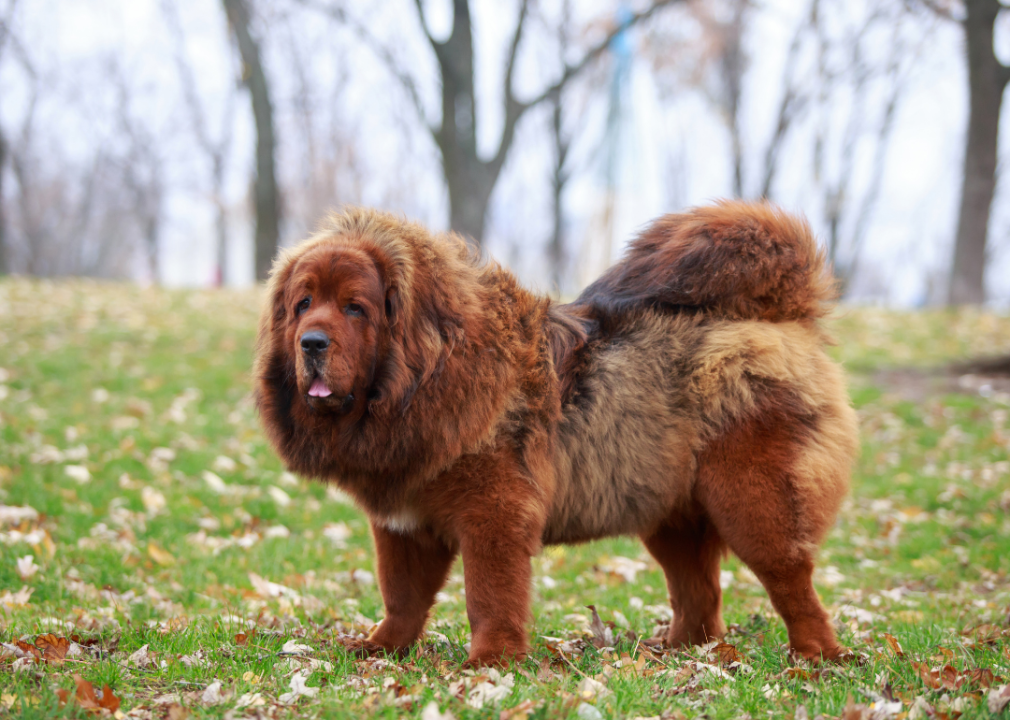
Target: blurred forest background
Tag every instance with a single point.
(181, 142)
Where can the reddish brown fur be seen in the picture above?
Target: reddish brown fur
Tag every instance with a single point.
(684, 397)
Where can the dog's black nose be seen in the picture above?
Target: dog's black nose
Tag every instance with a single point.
(314, 342)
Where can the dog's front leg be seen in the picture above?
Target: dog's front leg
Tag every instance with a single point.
(496, 570)
(412, 567)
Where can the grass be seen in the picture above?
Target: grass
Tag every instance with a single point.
(168, 544)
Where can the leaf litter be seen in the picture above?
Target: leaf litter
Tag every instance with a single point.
(178, 497)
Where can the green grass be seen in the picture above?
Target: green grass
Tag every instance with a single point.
(148, 390)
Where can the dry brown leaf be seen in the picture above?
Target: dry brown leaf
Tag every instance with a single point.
(162, 557)
(949, 677)
(244, 638)
(54, 649)
(795, 673)
(88, 699)
(853, 711)
(983, 677)
(894, 644)
(599, 630)
(28, 649)
(177, 712)
(519, 712)
(931, 678)
(725, 654)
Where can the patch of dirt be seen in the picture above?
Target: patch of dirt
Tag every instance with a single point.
(987, 377)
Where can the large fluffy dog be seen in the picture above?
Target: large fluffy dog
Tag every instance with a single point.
(684, 398)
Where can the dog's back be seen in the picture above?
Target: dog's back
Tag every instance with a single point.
(708, 324)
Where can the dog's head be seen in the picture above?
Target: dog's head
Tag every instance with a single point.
(336, 309)
(358, 317)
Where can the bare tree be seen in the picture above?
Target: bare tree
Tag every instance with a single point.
(795, 99)
(716, 61)
(559, 172)
(987, 79)
(6, 29)
(142, 172)
(266, 195)
(727, 36)
(470, 178)
(214, 146)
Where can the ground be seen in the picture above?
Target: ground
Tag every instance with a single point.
(156, 561)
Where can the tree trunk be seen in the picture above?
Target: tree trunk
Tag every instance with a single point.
(265, 186)
(470, 180)
(987, 78)
(4, 256)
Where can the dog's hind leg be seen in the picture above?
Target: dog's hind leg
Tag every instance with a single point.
(689, 551)
(412, 568)
(754, 484)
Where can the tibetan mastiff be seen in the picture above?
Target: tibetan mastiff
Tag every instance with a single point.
(684, 397)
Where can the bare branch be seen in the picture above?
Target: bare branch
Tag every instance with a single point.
(790, 105)
(424, 25)
(940, 8)
(573, 70)
(6, 22)
(381, 51)
(513, 109)
(510, 66)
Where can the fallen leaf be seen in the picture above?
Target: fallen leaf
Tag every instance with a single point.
(162, 557)
(142, 658)
(177, 712)
(602, 635)
(23, 649)
(895, 645)
(931, 678)
(54, 649)
(725, 653)
(293, 648)
(431, 712)
(250, 700)
(88, 698)
(998, 698)
(853, 711)
(983, 677)
(520, 712)
(949, 677)
(298, 690)
(212, 695)
(590, 689)
(26, 566)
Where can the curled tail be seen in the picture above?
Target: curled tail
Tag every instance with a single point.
(737, 260)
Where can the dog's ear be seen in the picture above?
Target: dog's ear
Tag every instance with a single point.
(392, 304)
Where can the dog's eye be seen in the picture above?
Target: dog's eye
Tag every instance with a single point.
(354, 310)
(302, 306)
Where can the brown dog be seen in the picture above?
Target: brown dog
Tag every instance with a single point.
(684, 397)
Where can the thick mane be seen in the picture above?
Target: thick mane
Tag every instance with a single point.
(439, 353)
(432, 285)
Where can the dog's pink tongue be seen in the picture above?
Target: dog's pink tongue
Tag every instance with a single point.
(319, 389)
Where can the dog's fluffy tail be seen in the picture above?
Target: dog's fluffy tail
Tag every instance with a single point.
(736, 260)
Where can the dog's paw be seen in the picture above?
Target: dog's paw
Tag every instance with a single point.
(367, 648)
(501, 661)
(838, 654)
(656, 643)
